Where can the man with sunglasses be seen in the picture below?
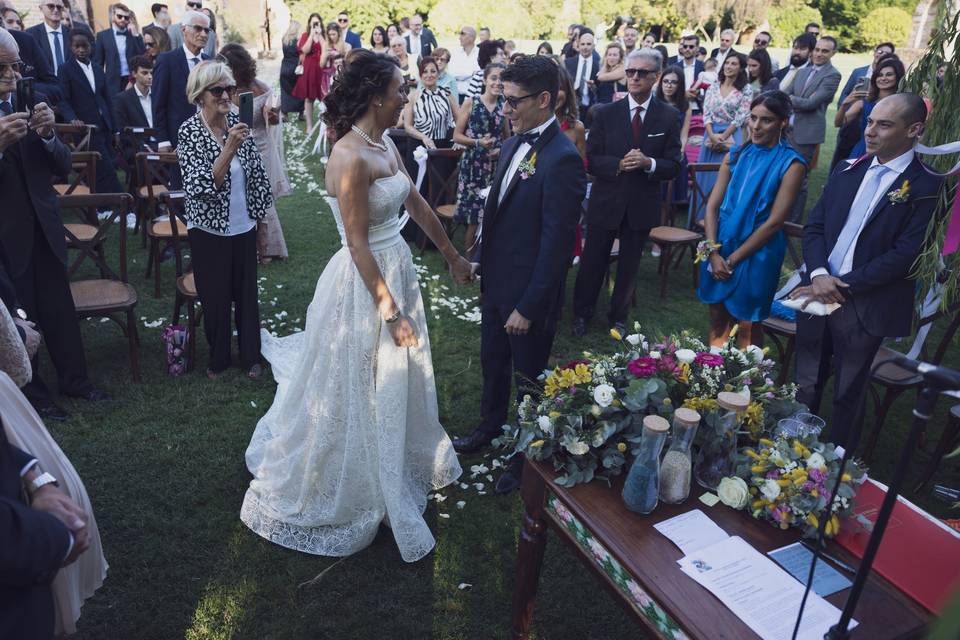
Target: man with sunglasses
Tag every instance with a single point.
(114, 49)
(761, 41)
(51, 35)
(692, 67)
(350, 37)
(35, 63)
(634, 144)
(527, 231)
(170, 72)
(175, 31)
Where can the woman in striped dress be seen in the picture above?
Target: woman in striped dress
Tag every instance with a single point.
(431, 111)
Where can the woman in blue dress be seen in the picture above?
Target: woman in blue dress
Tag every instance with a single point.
(725, 109)
(745, 243)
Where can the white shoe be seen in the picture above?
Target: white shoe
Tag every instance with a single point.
(655, 251)
(103, 215)
(131, 221)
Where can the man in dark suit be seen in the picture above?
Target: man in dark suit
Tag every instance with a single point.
(51, 35)
(46, 87)
(350, 37)
(849, 134)
(133, 108)
(42, 530)
(420, 40)
(691, 65)
(114, 49)
(726, 47)
(862, 238)
(161, 16)
(583, 70)
(170, 106)
(633, 145)
(527, 230)
(32, 244)
(86, 100)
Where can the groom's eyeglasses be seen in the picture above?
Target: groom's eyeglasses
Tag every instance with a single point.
(514, 101)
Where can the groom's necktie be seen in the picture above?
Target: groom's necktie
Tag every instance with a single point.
(858, 213)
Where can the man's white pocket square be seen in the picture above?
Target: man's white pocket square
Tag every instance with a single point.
(654, 135)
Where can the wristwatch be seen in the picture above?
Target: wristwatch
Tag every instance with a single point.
(41, 480)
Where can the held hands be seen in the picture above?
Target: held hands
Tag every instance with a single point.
(402, 332)
(52, 500)
(824, 288)
(517, 325)
(236, 135)
(635, 159)
(461, 270)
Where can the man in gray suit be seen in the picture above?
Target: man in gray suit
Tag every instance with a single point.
(175, 31)
(812, 92)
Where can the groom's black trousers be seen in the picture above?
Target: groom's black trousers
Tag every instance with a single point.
(504, 357)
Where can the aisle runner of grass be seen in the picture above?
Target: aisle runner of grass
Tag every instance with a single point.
(164, 466)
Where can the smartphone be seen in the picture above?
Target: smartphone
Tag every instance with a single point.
(26, 100)
(246, 108)
(861, 84)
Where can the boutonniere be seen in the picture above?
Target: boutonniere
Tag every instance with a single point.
(528, 167)
(900, 195)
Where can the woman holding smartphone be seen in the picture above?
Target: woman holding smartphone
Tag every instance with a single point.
(883, 82)
(312, 59)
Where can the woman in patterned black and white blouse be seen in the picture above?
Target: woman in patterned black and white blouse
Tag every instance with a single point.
(227, 193)
(431, 112)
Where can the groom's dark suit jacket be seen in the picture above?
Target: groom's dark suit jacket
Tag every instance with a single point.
(880, 290)
(527, 238)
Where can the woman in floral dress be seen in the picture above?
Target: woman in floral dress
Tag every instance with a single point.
(481, 128)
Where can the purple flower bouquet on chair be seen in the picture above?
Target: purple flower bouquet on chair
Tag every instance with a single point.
(176, 336)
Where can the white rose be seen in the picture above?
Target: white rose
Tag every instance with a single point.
(633, 339)
(734, 493)
(604, 394)
(575, 446)
(686, 355)
(770, 490)
(655, 355)
(545, 424)
(816, 461)
(755, 353)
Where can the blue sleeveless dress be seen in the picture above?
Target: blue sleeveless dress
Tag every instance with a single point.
(757, 173)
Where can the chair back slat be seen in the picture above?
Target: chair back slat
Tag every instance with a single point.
(442, 188)
(77, 137)
(119, 204)
(153, 170)
(794, 233)
(697, 194)
(173, 201)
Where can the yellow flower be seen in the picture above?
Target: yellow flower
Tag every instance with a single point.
(765, 442)
(667, 402)
(554, 414)
(536, 444)
(582, 374)
(812, 520)
(621, 447)
(758, 468)
(684, 375)
(752, 454)
(615, 334)
(733, 332)
(846, 477)
(814, 493)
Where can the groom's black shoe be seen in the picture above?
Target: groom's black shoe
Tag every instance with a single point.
(510, 480)
(473, 442)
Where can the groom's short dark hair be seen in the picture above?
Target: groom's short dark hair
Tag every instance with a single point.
(535, 74)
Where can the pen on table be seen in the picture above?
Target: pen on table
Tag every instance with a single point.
(824, 554)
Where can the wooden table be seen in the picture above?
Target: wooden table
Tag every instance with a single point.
(638, 565)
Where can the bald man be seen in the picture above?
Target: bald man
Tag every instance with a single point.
(463, 60)
(862, 237)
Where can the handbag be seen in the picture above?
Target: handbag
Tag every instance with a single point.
(299, 70)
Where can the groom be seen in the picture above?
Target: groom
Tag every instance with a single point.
(526, 241)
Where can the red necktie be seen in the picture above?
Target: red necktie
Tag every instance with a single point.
(636, 124)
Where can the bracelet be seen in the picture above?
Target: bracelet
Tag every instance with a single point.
(394, 317)
(704, 249)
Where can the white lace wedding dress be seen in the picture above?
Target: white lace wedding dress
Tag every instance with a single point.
(353, 438)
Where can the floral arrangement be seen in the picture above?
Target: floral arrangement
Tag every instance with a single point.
(591, 410)
(175, 338)
(788, 481)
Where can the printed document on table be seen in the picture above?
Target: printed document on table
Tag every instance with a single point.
(691, 531)
(759, 592)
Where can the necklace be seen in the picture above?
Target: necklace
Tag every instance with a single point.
(366, 138)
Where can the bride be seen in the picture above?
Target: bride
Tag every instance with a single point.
(353, 438)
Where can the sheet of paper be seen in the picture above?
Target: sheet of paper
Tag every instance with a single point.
(796, 558)
(691, 531)
(757, 591)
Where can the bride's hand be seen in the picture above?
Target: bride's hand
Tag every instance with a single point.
(461, 270)
(403, 333)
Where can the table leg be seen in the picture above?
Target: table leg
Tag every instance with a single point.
(533, 541)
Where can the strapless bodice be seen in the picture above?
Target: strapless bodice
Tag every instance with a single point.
(385, 197)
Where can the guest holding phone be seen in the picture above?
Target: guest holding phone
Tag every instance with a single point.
(313, 56)
(859, 104)
(227, 193)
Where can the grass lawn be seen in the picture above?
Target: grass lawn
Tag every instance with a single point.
(164, 466)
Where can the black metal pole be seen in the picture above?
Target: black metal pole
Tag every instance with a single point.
(923, 409)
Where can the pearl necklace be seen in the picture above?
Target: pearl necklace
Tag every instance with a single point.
(366, 138)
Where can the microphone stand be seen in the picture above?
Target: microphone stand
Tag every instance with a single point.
(923, 409)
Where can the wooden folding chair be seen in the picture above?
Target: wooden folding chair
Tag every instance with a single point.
(783, 333)
(75, 136)
(110, 295)
(895, 381)
(673, 243)
(162, 230)
(697, 193)
(84, 236)
(152, 178)
(186, 294)
(133, 140)
(442, 187)
(82, 179)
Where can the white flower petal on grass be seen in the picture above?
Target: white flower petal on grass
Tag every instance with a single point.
(461, 504)
(478, 486)
(489, 477)
(444, 515)
(253, 404)
(463, 586)
(464, 485)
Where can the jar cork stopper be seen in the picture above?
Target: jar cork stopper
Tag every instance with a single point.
(687, 416)
(657, 424)
(732, 401)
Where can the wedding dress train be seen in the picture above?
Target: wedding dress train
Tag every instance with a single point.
(353, 437)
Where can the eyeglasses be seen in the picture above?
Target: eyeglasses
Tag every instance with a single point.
(149, 44)
(16, 67)
(669, 83)
(54, 7)
(120, 16)
(343, 20)
(761, 43)
(199, 29)
(194, 5)
(217, 92)
(688, 46)
(514, 101)
(638, 73)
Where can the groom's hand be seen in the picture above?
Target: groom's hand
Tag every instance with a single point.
(461, 270)
(517, 325)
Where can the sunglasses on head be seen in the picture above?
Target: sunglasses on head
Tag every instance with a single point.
(217, 92)
(638, 73)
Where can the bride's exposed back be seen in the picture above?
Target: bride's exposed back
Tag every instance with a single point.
(352, 439)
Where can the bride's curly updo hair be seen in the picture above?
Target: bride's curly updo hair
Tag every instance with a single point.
(363, 76)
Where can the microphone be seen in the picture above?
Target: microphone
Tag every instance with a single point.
(939, 377)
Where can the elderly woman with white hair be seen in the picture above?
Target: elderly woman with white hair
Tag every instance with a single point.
(408, 61)
(227, 193)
